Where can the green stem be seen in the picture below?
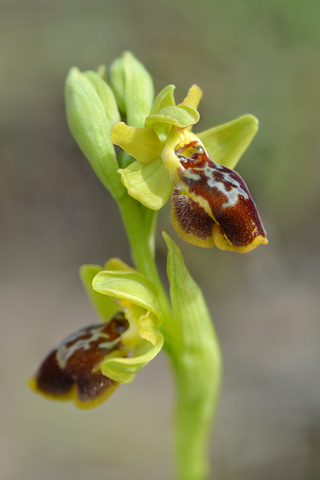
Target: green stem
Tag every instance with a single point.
(142, 248)
(196, 358)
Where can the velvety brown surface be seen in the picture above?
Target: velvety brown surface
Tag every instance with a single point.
(227, 195)
(75, 361)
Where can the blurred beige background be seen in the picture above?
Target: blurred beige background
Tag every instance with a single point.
(248, 57)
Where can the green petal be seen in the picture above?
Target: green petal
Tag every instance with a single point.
(123, 370)
(180, 116)
(106, 96)
(103, 305)
(129, 286)
(149, 184)
(89, 125)
(165, 98)
(142, 143)
(226, 143)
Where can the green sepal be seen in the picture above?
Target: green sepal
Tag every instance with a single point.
(227, 142)
(123, 370)
(142, 143)
(150, 184)
(181, 116)
(128, 286)
(106, 96)
(89, 126)
(102, 304)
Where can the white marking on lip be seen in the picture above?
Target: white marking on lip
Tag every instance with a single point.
(233, 194)
(190, 175)
(64, 352)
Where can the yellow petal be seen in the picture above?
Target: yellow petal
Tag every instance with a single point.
(142, 143)
(194, 96)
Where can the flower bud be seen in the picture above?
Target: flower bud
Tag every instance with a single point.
(117, 83)
(132, 86)
(88, 365)
(91, 111)
(106, 96)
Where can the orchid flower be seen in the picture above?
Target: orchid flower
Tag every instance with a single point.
(210, 203)
(88, 365)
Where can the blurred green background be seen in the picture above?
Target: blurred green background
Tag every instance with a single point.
(248, 57)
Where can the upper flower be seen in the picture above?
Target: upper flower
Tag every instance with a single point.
(211, 204)
(88, 365)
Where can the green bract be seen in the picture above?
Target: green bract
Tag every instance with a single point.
(197, 365)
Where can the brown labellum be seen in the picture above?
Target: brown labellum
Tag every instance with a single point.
(71, 370)
(212, 205)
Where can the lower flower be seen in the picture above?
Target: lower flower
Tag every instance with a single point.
(72, 370)
(88, 365)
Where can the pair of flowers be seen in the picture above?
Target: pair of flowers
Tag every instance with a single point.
(161, 158)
